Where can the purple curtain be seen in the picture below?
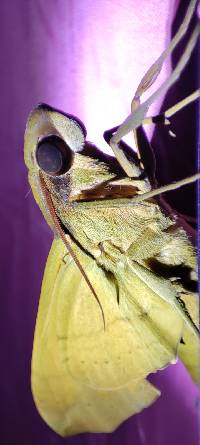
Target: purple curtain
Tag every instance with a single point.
(85, 58)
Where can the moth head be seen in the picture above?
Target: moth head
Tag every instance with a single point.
(51, 140)
(56, 150)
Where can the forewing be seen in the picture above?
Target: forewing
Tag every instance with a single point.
(153, 298)
(84, 377)
(156, 323)
(189, 348)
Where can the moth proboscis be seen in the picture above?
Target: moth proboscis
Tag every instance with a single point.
(118, 243)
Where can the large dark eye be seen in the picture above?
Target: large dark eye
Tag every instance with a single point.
(54, 156)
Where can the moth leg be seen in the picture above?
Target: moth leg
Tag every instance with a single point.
(167, 248)
(126, 151)
(144, 149)
(153, 72)
(149, 243)
(166, 188)
(129, 167)
(108, 135)
(139, 111)
(163, 117)
(151, 75)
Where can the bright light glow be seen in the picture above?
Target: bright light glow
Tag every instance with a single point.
(112, 47)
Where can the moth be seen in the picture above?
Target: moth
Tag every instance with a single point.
(117, 300)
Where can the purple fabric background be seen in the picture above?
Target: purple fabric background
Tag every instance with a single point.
(86, 58)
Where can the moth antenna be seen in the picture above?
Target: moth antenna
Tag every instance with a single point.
(165, 188)
(67, 241)
(28, 193)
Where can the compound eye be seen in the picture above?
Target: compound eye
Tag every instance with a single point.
(54, 156)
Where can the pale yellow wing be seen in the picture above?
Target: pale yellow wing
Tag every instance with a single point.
(189, 349)
(140, 288)
(85, 377)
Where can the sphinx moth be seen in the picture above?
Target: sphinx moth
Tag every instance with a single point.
(117, 300)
